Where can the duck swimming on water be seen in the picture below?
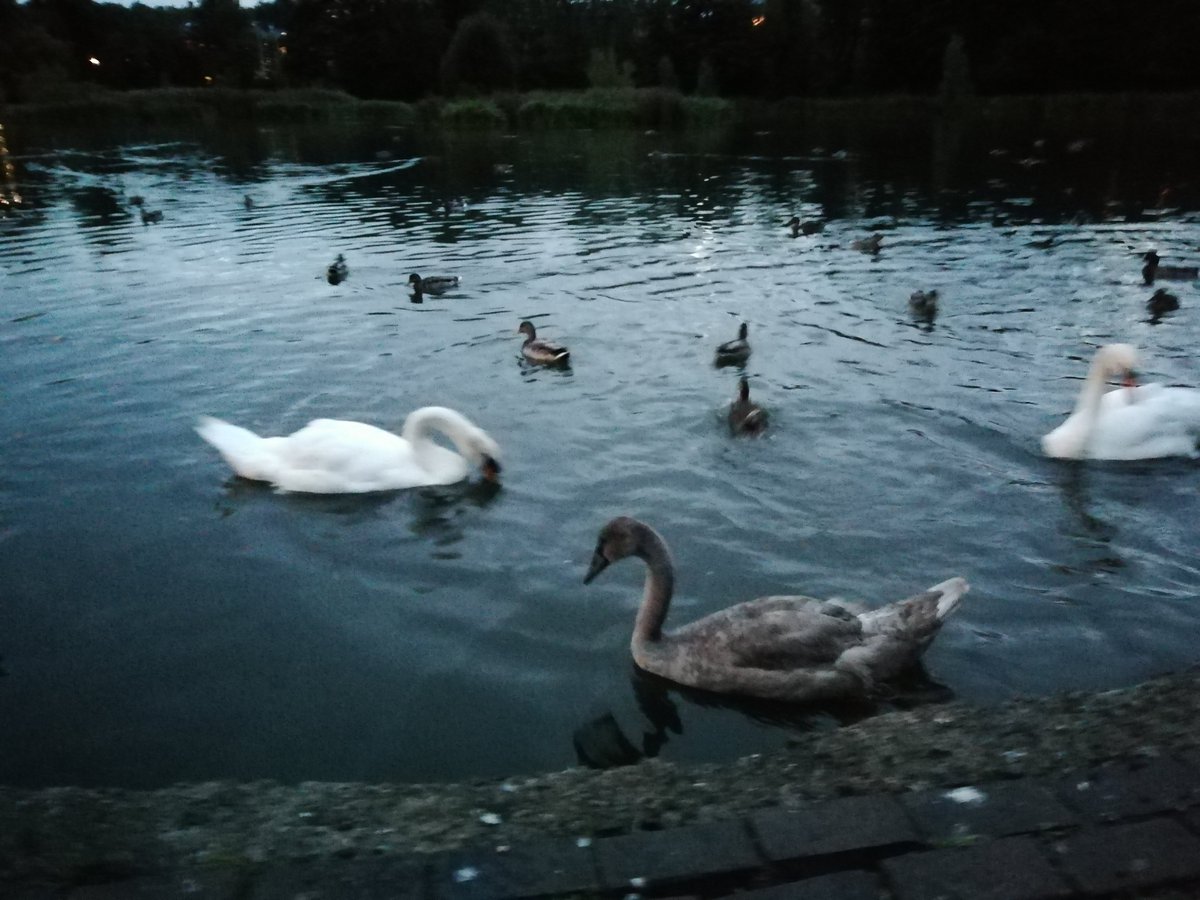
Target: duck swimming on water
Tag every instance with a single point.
(338, 271)
(1154, 269)
(806, 228)
(870, 244)
(431, 284)
(539, 352)
(746, 416)
(791, 648)
(737, 351)
(1161, 303)
(924, 304)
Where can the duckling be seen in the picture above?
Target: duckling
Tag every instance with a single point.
(338, 271)
(746, 416)
(924, 304)
(1152, 269)
(539, 352)
(151, 216)
(870, 244)
(1162, 302)
(806, 228)
(735, 352)
(431, 284)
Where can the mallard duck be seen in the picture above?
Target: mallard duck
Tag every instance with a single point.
(735, 352)
(870, 244)
(1133, 422)
(331, 456)
(791, 648)
(806, 228)
(151, 216)
(431, 284)
(1154, 269)
(544, 353)
(1160, 303)
(746, 416)
(338, 271)
(924, 304)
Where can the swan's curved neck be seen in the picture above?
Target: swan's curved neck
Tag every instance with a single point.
(1093, 389)
(421, 422)
(660, 585)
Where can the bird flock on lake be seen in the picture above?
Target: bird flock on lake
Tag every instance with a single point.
(790, 648)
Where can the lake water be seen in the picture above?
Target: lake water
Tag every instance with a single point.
(161, 621)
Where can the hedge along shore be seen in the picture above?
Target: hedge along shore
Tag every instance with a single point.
(66, 834)
(1069, 116)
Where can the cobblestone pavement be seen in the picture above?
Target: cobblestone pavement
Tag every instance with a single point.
(1122, 829)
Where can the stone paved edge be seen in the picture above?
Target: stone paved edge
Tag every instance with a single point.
(1135, 749)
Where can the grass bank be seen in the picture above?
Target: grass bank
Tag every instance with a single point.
(643, 108)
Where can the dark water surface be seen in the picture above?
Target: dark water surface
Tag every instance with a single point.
(160, 621)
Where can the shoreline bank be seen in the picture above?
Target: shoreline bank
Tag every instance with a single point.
(654, 108)
(64, 835)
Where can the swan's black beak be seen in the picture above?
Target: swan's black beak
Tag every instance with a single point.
(599, 564)
(490, 469)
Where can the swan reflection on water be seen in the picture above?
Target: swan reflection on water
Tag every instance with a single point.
(435, 509)
(601, 742)
(1092, 536)
(1095, 537)
(1075, 499)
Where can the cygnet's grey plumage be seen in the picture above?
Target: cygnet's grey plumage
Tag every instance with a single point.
(790, 648)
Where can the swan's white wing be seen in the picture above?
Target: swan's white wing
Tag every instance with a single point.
(330, 456)
(1146, 423)
(339, 445)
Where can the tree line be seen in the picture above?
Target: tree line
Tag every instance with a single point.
(766, 49)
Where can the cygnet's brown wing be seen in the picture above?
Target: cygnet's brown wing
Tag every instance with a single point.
(774, 633)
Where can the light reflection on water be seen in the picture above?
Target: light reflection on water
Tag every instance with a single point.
(162, 621)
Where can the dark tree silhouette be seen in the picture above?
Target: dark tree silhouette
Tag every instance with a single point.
(755, 48)
(30, 59)
(480, 57)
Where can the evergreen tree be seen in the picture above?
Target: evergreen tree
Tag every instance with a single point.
(480, 57)
(706, 79)
(955, 90)
(605, 71)
(666, 73)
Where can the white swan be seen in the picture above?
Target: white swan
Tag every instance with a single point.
(1133, 422)
(783, 648)
(332, 456)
